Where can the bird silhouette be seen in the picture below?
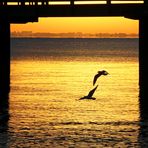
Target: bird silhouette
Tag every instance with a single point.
(102, 72)
(90, 94)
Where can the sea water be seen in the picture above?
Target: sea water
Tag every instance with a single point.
(48, 76)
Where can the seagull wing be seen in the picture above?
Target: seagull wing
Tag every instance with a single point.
(90, 94)
(96, 77)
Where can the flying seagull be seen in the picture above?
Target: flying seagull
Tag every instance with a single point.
(90, 94)
(102, 72)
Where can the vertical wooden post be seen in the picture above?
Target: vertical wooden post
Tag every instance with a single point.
(143, 66)
(4, 61)
(143, 62)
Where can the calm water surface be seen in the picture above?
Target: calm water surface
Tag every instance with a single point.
(48, 76)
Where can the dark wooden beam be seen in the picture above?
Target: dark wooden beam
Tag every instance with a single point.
(4, 61)
(31, 13)
(143, 62)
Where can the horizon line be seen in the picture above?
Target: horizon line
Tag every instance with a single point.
(30, 34)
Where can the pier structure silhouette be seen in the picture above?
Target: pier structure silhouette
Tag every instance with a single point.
(23, 11)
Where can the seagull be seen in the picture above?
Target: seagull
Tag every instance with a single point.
(90, 94)
(102, 72)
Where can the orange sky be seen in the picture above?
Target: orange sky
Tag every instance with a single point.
(84, 25)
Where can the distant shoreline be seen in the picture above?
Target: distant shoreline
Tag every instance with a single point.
(29, 34)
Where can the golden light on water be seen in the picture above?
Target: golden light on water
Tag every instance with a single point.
(48, 79)
(66, 82)
(45, 94)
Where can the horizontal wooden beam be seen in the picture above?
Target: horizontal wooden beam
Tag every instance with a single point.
(31, 13)
(13, 1)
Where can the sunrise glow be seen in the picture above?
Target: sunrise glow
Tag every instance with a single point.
(78, 24)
